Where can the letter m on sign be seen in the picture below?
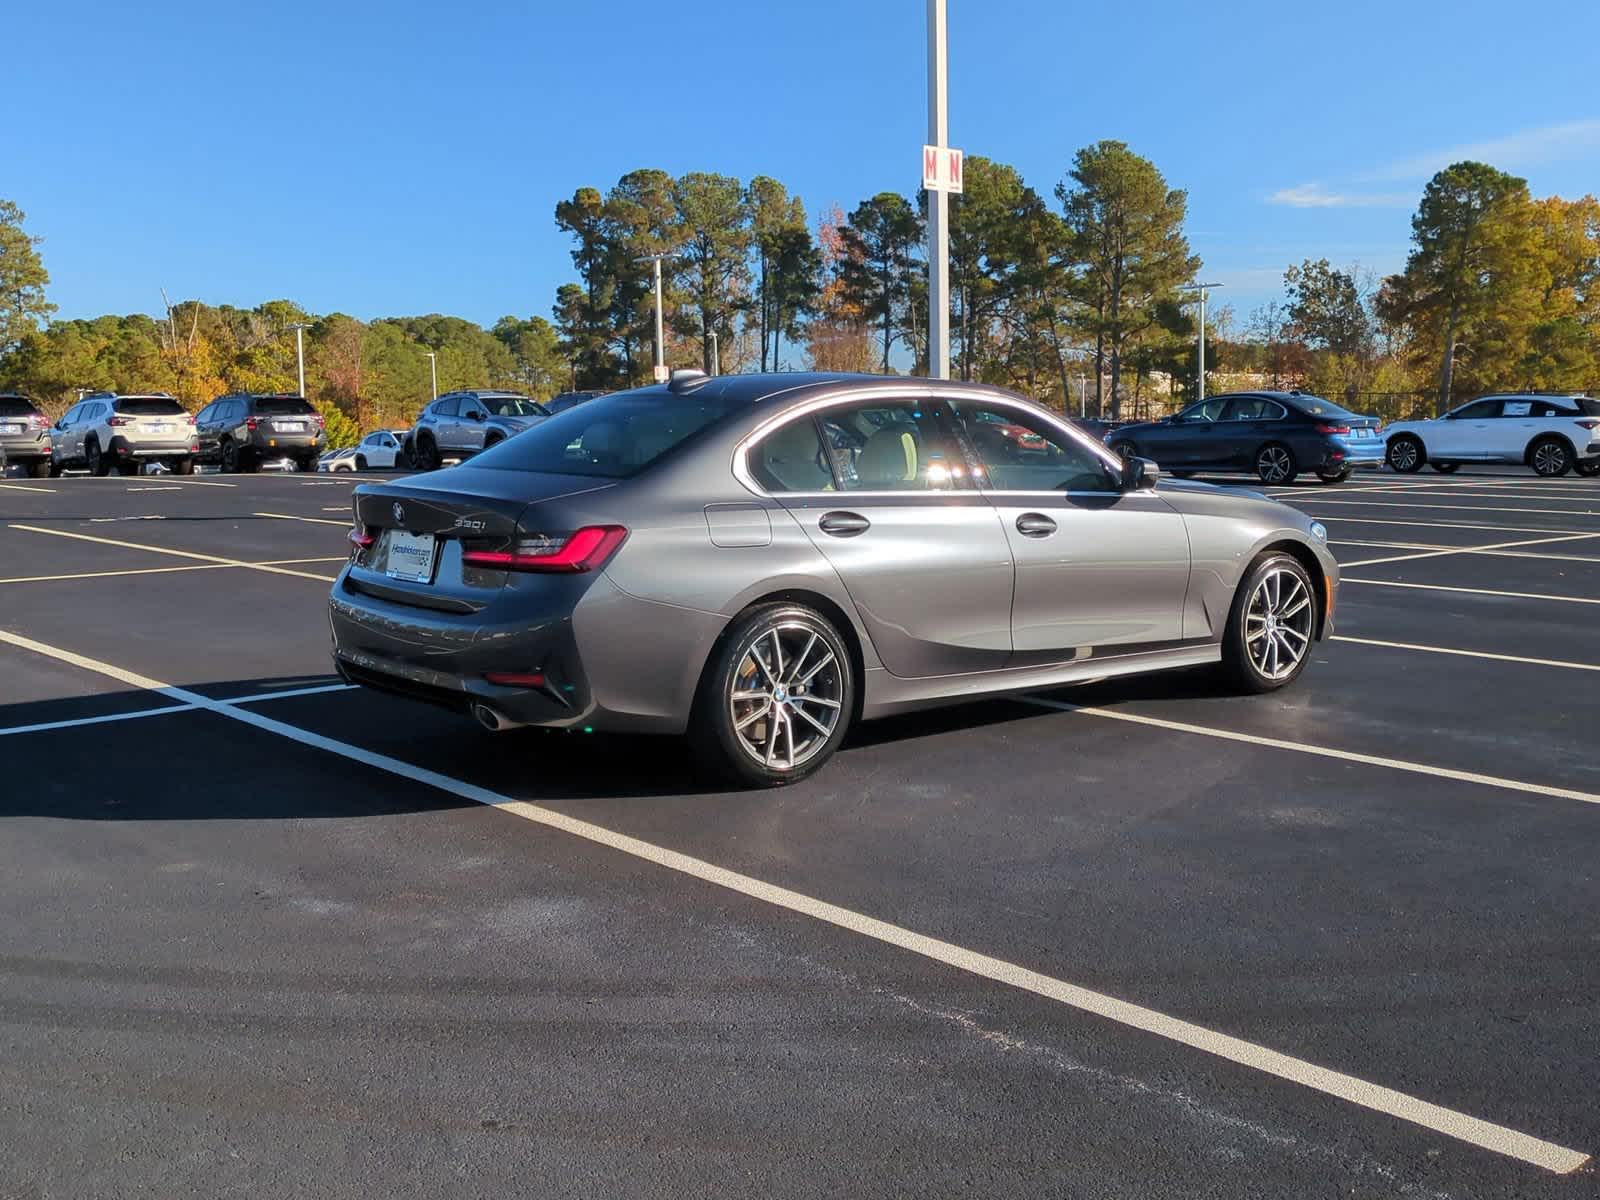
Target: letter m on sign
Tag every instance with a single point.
(930, 168)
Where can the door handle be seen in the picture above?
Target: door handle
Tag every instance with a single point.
(844, 524)
(1035, 525)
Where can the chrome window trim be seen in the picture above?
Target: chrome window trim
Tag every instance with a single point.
(897, 391)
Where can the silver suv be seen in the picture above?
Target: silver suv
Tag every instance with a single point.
(104, 431)
(24, 435)
(460, 424)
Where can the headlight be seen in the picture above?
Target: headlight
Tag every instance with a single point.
(1319, 531)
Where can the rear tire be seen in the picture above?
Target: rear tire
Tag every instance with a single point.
(1550, 457)
(1445, 468)
(42, 469)
(228, 457)
(99, 465)
(1405, 455)
(1275, 464)
(777, 696)
(127, 469)
(1332, 477)
(183, 466)
(1268, 640)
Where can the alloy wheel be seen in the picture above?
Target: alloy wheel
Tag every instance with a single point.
(1277, 623)
(1273, 464)
(1549, 458)
(1403, 455)
(787, 696)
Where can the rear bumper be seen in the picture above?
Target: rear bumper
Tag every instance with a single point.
(123, 448)
(24, 449)
(1592, 450)
(294, 443)
(1354, 453)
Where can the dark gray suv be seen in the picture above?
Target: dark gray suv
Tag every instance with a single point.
(460, 424)
(24, 435)
(242, 431)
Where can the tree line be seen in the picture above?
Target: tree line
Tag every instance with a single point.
(1082, 284)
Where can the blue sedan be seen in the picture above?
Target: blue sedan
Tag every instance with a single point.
(1275, 434)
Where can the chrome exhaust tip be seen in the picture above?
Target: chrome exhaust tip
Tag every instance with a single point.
(493, 721)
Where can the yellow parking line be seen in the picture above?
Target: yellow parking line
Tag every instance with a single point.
(211, 558)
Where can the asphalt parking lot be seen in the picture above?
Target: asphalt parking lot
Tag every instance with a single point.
(262, 933)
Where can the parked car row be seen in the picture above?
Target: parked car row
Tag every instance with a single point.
(382, 450)
(1279, 435)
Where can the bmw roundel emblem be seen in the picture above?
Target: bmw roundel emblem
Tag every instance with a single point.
(399, 515)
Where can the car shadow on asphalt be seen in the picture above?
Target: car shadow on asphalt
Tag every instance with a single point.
(193, 765)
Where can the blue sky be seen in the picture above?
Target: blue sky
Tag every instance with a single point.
(397, 158)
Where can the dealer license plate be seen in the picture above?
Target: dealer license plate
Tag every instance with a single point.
(10, 430)
(411, 556)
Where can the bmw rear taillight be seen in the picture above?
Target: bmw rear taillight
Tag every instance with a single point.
(1337, 429)
(585, 550)
(362, 538)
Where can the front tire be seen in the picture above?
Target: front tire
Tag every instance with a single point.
(1271, 625)
(99, 465)
(1275, 464)
(228, 457)
(1406, 455)
(361, 462)
(1550, 457)
(428, 455)
(1124, 450)
(777, 696)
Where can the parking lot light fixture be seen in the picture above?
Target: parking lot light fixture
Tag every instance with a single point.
(661, 374)
(1200, 376)
(433, 370)
(300, 328)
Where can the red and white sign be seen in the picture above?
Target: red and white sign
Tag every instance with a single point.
(941, 169)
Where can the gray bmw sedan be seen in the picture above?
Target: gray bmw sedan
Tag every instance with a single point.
(759, 561)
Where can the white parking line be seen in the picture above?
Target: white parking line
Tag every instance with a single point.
(308, 520)
(212, 558)
(18, 487)
(1439, 587)
(1578, 558)
(1565, 512)
(1430, 524)
(46, 726)
(1360, 1092)
(1515, 658)
(162, 488)
(113, 574)
(1394, 558)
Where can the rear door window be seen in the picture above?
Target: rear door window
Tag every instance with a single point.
(791, 459)
(1253, 408)
(1209, 410)
(902, 446)
(445, 408)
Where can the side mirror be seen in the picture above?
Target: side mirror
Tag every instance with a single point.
(475, 416)
(1139, 474)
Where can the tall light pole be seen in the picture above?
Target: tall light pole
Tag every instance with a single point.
(300, 328)
(716, 359)
(433, 371)
(1203, 289)
(661, 373)
(938, 200)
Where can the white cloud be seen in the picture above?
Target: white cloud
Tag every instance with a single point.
(1531, 147)
(1314, 195)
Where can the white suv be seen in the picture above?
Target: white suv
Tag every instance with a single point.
(1551, 434)
(103, 431)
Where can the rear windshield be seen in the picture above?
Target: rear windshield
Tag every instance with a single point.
(512, 406)
(1587, 406)
(1316, 406)
(149, 406)
(13, 406)
(283, 406)
(612, 437)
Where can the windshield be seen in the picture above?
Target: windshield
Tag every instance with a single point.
(283, 406)
(140, 406)
(612, 437)
(513, 406)
(15, 406)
